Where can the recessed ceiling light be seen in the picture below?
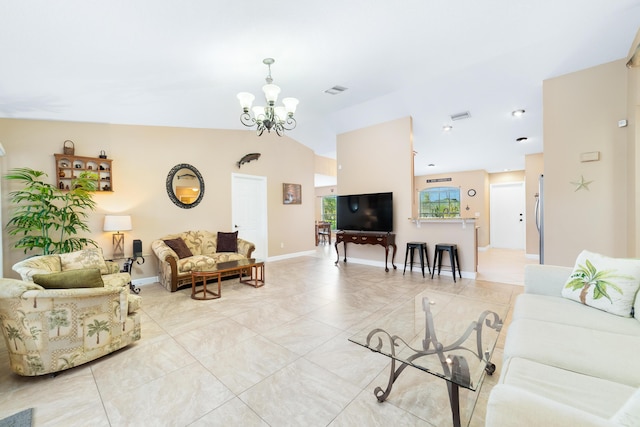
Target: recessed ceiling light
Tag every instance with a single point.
(522, 139)
(517, 113)
(447, 128)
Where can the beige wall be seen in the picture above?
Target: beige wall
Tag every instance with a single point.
(506, 177)
(534, 167)
(326, 166)
(379, 158)
(142, 157)
(581, 112)
(373, 160)
(633, 159)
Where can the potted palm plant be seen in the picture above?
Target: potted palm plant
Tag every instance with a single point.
(47, 218)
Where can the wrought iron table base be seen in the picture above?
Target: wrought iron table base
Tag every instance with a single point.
(456, 367)
(126, 268)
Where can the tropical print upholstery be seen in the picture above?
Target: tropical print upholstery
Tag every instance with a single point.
(85, 258)
(174, 272)
(50, 330)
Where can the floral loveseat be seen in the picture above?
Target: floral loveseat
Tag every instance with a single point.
(180, 254)
(52, 329)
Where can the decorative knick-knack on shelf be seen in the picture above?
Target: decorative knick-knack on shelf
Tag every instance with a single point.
(102, 154)
(68, 147)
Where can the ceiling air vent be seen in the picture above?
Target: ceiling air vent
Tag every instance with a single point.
(335, 90)
(461, 116)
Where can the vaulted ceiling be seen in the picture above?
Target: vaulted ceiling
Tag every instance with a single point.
(181, 63)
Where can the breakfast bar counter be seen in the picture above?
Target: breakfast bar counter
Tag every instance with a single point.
(460, 231)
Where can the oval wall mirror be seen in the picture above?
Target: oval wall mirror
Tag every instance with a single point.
(185, 186)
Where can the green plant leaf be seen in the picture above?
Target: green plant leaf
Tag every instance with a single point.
(47, 218)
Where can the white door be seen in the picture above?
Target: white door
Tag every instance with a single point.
(507, 212)
(249, 210)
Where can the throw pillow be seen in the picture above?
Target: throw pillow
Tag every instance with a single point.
(629, 414)
(608, 284)
(82, 278)
(179, 247)
(227, 242)
(85, 258)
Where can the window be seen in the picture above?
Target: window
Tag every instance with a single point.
(329, 210)
(440, 202)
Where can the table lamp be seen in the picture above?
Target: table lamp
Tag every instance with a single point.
(117, 223)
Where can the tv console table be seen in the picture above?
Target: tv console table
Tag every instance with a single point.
(367, 238)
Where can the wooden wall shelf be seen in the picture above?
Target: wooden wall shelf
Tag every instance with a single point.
(69, 167)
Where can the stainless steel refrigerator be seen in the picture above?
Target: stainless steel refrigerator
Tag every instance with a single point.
(540, 216)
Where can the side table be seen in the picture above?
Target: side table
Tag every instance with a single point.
(127, 267)
(204, 275)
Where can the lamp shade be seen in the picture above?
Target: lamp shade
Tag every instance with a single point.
(117, 223)
(271, 93)
(246, 100)
(290, 104)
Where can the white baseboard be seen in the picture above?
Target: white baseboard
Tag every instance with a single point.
(154, 279)
(145, 281)
(291, 255)
(465, 274)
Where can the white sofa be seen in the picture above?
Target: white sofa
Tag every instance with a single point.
(565, 363)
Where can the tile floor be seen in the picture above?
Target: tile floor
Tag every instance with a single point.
(272, 356)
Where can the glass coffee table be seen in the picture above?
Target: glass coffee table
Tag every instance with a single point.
(449, 336)
(251, 272)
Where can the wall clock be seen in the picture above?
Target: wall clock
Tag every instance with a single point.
(471, 192)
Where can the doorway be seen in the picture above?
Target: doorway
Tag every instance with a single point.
(507, 215)
(249, 210)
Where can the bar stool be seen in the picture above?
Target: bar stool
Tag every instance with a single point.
(453, 258)
(422, 250)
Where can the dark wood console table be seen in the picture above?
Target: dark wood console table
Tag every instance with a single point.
(367, 238)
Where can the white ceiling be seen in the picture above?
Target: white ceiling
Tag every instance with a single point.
(181, 63)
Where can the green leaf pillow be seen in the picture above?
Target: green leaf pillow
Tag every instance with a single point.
(608, 284)
(82, 278)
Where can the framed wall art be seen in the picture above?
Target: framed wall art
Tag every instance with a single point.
(291, 194)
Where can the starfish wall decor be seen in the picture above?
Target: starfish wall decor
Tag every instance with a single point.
(582, 184)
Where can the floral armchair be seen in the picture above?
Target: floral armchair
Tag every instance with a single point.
(50, 330)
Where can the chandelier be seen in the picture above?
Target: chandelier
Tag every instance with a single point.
(270, 117)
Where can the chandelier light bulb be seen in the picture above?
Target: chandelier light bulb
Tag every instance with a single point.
(290, 105)
(246, 100)
(271, 93)
(258, 113)
(281, 114)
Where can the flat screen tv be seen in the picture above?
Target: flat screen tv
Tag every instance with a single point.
(365, 212)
